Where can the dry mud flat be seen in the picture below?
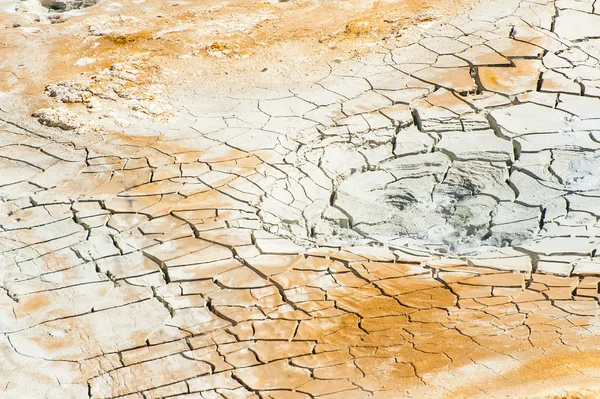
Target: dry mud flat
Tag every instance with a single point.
(195, 212)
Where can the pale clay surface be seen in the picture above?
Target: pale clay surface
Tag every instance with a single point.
(417, 221)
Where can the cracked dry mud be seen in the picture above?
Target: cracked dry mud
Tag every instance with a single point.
(210, 201)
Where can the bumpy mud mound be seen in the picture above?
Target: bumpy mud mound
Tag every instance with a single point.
(460, 189)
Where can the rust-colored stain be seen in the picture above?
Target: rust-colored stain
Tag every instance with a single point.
(254, 29)
(216, 302)
(34, 303)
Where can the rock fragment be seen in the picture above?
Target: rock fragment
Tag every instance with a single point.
(57, 117)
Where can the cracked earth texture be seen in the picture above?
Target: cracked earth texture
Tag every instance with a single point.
(419, 220)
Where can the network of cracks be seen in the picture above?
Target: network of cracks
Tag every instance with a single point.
(420, 223)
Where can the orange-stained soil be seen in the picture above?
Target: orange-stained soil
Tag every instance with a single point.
(382, 326)
(214, 43)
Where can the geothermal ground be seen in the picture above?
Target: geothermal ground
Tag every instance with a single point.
(305, 199)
